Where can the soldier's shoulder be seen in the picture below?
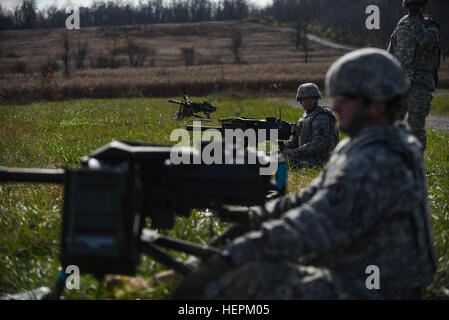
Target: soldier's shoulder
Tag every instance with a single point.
(384, 145)
(375, 159)
(346, 160)
(404, 20)
(397, 143)
(432, 22)
(385, 152)
(329, 112)
(324, 112)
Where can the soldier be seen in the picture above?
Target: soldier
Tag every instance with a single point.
(416, 44)
(316, 133)
(361, 229)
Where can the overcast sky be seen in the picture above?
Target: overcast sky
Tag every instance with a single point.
(44, 3)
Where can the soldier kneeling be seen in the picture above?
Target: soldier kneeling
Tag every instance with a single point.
(316, 133)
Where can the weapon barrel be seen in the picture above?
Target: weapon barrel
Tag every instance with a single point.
(174, 101)
(231, 233)
(203, 128)
(162, 257)
(185, 246)
(151, 236)
(32, 175)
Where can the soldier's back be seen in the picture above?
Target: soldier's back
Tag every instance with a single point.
(388, 218)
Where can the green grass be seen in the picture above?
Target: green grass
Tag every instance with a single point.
(57, 134)
(437, 174)
(440, 105)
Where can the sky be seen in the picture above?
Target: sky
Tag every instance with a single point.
(44, 3)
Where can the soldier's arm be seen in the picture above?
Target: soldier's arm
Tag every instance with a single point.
(293, 143)
(348, 204)
(320, 137)
(275, 208)
(427, 37)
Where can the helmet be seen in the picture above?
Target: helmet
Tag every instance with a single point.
(406, 2)
(308, 90)
(371, 72)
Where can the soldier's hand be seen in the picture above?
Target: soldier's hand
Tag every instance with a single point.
(193, 285)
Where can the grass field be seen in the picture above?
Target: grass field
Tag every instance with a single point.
(57, 134)
(440, 106)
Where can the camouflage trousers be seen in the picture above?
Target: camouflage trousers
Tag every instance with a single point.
(417, 104)
(266, 280)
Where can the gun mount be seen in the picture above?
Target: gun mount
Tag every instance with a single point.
(284, 128)
(189, 108)
(120, 185)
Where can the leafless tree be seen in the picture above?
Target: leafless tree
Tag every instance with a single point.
(138, 54)
(188, 54)
(236, 45)
(79, 54)
(66, 55)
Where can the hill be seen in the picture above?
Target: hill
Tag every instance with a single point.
(31, 61)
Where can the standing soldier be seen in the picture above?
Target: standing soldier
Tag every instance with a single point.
(316, 133)
(362, 229)
(416, 44)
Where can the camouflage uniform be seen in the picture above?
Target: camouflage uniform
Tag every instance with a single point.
(316, 132)
(367, 207)
(416, 44)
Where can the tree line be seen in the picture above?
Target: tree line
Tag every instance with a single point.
(104, 13)
(341, 20)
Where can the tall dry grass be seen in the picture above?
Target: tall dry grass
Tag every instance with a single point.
(160, 82)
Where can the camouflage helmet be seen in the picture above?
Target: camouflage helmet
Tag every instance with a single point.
(406, 2)
(371, 72)
(308, 90)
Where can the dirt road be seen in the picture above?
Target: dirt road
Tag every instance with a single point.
(328, 43)
(432, 121)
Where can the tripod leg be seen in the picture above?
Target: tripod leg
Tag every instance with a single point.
(162, 257)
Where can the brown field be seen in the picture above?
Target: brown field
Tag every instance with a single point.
(271, 63)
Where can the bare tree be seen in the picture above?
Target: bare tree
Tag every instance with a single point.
(66, 55)
(306, 10)
(79, 54)
(236, 45)
(297, 33)
(299, 30)
(28, 13)
(188, 54)
(137, 54)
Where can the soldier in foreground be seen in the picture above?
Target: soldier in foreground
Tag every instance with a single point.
(416, 44)
(316, 133)
(367, 209)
